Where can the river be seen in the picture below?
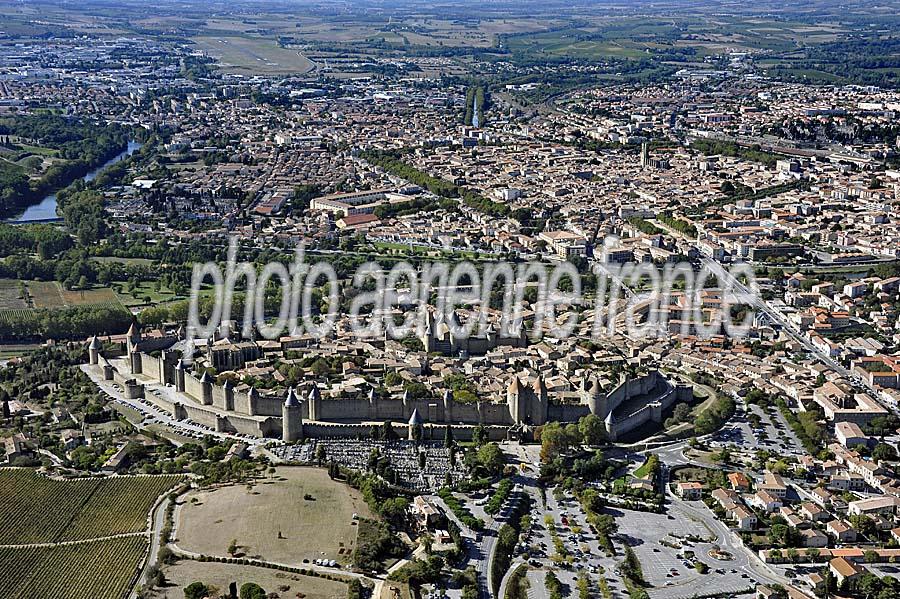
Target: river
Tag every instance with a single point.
(45, 210)
(476, 122)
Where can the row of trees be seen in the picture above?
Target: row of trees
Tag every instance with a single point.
(393, 163)
(75, 322)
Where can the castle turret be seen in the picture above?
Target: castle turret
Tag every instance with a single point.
(252, 401)
(515, 400)
(373, 403)
(448, 405)
(415, 424)
(207, 384)
(228, 393)
(596, 399)
(291, 418)
(610, 424)
(313, 403)
(179, 376)
(137, 365)
(133, 337)
(428, 332)
(540, 402)
(94, 351)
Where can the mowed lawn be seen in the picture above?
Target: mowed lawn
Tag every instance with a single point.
(321, 527)
(185, 572)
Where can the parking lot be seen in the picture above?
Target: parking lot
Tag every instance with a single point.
(667, 568)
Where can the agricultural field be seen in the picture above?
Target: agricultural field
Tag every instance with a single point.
(37, 509)
(93, 570)
(185, 572)
(80, 297)
(317, 526)
(22, 317)
(11, 295)
(50, 295)
(46, 294)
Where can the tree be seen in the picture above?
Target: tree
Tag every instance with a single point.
(251, 590)
(196, 590)
(388, 433)
(871, 556)
(884, 452)
(479, 435)
(863, 525)
(490, 458)
(592, 429)
(448, 436)
(232, 547)
(681, 412)
(320, 368)
(321, 454)
(555, 440)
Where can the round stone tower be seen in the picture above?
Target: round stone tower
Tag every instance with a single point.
(291, 418)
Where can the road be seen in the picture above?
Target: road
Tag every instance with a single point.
(777, 318)
(158, 518)
(153, 414)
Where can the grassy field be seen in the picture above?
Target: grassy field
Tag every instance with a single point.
(97, 570)
(128, 261)
(310, 529)
(36, 509)
(185, 572)
(144, 290)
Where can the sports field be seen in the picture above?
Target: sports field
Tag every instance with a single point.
(274, 521)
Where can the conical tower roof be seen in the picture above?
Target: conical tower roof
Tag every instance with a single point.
(291, 399)
(415, 419)
(515, 386)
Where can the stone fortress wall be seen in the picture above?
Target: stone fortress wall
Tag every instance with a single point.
(226, 408)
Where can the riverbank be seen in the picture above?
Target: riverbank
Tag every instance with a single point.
(44, 209)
